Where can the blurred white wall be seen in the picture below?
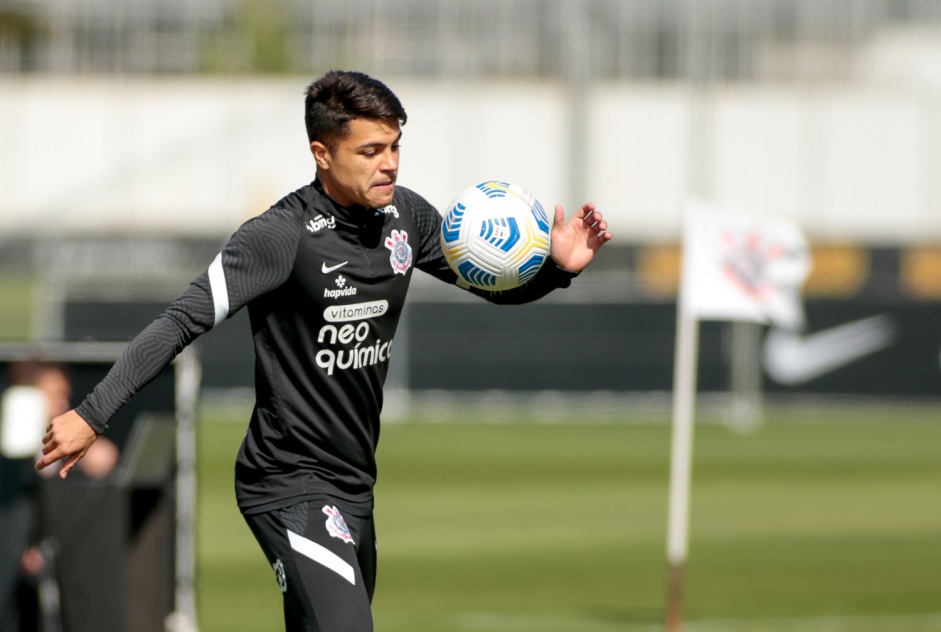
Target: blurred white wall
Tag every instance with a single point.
(201, 156)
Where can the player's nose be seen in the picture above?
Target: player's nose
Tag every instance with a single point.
(390, 163)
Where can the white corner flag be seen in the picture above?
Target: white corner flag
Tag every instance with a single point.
(736, 266)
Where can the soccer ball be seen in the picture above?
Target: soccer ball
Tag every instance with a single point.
(495, 236)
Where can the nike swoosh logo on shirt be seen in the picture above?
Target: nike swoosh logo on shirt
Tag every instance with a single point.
(793, 359)
(328, 269)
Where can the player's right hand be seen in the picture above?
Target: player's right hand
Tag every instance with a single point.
(68, 437)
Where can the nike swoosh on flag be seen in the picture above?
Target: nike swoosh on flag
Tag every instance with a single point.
(793, 359)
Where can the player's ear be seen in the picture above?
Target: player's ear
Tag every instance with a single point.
(321, 154)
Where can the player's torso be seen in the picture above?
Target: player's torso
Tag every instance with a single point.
(349, 284)
(337, 314)
(323, 341)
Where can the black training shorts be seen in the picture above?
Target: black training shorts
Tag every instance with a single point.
(323, 553)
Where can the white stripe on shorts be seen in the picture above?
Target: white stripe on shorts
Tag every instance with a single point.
(220, 292)
(321, 555)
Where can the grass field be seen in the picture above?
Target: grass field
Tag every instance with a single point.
(817, 521)
(17, 297)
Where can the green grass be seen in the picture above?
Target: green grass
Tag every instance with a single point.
(817, 522)
(16, 306)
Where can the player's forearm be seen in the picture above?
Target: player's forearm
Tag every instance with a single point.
(142, 361)
(550, 277)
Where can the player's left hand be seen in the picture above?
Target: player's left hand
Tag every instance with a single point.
(575, 243)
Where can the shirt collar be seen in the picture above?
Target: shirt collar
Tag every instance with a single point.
(353, 215)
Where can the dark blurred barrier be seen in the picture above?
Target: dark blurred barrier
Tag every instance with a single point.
(114, 543)
(114, 538)
(894, 350)
(874, 328)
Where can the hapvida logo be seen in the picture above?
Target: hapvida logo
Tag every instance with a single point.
(342, 291)
(347, 291)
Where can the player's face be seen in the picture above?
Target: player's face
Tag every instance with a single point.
(363, 166)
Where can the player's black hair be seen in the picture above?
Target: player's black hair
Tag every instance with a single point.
(340, 96)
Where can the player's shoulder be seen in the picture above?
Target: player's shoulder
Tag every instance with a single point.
(296, 204)
(282, 222)
(407, 200)
(290, 210)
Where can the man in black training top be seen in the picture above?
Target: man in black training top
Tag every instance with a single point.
(324, 273)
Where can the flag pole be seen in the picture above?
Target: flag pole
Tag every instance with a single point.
(684, 400)
(726, 256)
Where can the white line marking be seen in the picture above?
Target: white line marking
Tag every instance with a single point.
(322, 555)
(220, 292)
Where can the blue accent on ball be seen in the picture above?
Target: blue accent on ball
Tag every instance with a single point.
(542, 218)
(475, 275)
(498, 191)
(451, 228)
(530, 267)
(488, 229)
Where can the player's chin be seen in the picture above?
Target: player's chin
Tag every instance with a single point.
(381, 195)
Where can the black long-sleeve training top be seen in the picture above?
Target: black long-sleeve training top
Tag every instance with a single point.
(325, 286)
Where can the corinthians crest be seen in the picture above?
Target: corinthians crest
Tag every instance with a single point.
(401, 257)
(336, 525)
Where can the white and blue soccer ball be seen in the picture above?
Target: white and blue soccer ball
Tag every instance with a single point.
(495, 236)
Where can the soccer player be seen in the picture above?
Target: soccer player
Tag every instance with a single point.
(323, 273)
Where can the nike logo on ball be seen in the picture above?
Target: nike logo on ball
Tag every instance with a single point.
(793, 359)
(328, 269)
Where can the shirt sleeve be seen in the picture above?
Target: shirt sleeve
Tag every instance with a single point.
(257, 259)
(431, 260)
